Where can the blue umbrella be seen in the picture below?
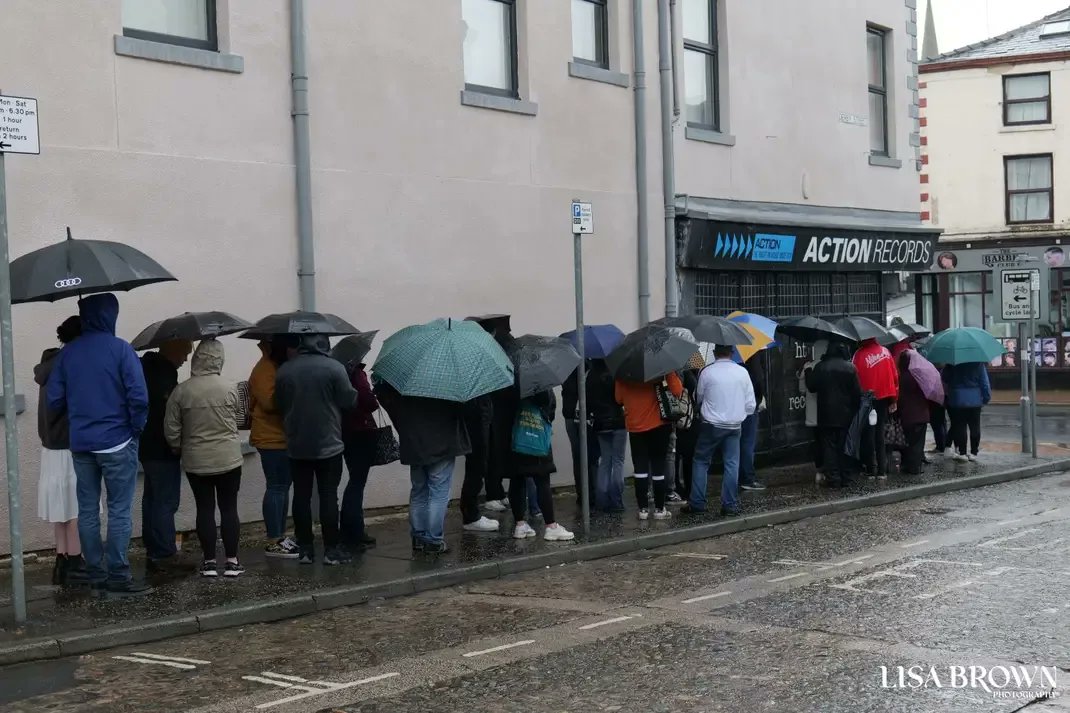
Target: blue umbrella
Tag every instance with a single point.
(445, 359)
(762, 330)
(599, 340)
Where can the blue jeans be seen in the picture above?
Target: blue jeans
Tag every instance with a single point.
(118, 472)
(609, 487)
(276, 465)
(533, 498)
(159, 503)
(748, 440)
(428, 500)
(710, 440)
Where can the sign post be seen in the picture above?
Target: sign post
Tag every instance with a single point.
(582, 224)
(1020, 302)
(18, 134)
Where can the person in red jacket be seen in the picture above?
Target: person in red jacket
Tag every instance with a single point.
(877, 372)
(358, 433)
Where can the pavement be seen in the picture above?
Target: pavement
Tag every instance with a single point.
(63, 623)
(965, 590)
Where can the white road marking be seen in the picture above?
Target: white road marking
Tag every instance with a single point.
(1008, 538)
(704, 597)
(854, 560)
(503, 647)
(945, 590)
(280, 684)
(310, 690)
(284, 677)
(908, 545)
(171, 664)
(787, 577)
(179, 659)
(1009, 522)
(607, 622)
(700, 555)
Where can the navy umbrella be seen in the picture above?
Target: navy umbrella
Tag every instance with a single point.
(74, 268)
(599, 340)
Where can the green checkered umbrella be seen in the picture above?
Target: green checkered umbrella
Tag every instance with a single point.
(445, 359)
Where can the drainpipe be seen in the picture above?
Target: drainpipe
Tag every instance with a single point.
(643, 258)
(665, 52)
(675, 43)
(306, 253)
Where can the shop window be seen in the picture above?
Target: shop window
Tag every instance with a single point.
(755, 293)
(820, 294)
(864, 293)
(590, 32)
(1029, 184)
(717, 293)
(700, 64)
(876, 61)
(190, 23)
(793, 295)
(788, 294)
(1027, 99)
(927, 295)
(490, 60)
(839, 293)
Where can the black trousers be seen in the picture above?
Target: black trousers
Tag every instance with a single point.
(961, 420)
(686, 440)
(208, 491)
(914, 453)
(518, 497)
(475, 470)
(875, 450)
(325, 475)
(499, 459)
(938, 421)
(650, 451)
(836, 466)
(359, 458)
(817, 448)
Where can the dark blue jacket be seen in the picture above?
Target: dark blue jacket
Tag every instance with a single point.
(966, 385)
(99, 382)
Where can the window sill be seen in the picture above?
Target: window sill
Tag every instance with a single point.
(482, 100)
(709, 136)
(1025, 128)
(579, 70)
(176, 54)
(885, 161)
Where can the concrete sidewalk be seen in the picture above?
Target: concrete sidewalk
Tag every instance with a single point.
(64, 624)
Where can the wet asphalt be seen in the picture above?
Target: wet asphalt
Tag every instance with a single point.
(798, 617)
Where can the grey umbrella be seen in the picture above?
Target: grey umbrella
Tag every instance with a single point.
(353, 349)
(541, 363)
(649, 353)
(707, 328)
(860, 329)
(299, 323)
(73, 268)
(191, 326)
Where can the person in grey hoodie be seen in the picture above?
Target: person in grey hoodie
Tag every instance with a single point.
(311, 391)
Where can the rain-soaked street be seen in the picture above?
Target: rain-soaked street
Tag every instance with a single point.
(947, 603)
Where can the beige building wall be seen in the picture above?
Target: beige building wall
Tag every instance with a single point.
(967, 142)
(423, 207)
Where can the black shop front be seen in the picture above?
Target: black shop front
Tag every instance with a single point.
(785, 260)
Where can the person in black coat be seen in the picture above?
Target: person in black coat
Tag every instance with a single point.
(835, 382)
(499, 444)
(538, 468)
(687, 439)
(607, 422)
(570, 403)
(478, 416)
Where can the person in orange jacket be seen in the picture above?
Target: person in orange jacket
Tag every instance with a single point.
(649, 436)
(268, 438)
(877, 372)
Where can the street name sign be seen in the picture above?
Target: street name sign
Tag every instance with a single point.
(582, 218)
(1016, 292)
(18, 125)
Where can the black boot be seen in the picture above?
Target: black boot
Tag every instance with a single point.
(75, 574)
(59, 570)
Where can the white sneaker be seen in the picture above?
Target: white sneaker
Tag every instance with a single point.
(972, 458)
(496, 505)
(556, 533)
(483, 524)
(644, 514)
(959, 458)
(947, 453)
(662, 514)
(819, 477)
(523, 531)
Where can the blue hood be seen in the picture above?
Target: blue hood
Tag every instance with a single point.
(99, 313)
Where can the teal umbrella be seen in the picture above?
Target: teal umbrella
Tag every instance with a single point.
(962, 345)
(446, 359)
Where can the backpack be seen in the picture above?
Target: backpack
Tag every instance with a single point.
(532, 433)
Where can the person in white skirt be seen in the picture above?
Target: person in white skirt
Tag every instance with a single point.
(57, 499)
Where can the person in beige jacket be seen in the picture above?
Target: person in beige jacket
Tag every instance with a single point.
(201, 424)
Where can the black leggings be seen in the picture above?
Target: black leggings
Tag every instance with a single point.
(518, 497)
(961, 419)
(207, 491)
(650, 449)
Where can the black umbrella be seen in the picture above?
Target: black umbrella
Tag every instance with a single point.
(649, 353)
(541, 363)
(707, 328)
(861, 328)
(810, 329)
(299, 323)
(74, 268)
(191, 326)
(352, 350)
(491, 322)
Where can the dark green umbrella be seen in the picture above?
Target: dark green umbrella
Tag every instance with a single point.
(650, 353)
(74, 268)
(190, 326)
(963, 345)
